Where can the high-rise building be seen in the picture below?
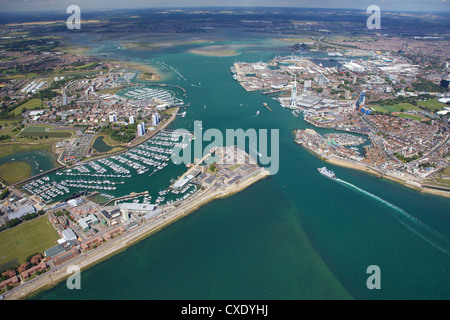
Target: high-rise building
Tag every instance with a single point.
(306, 86)
(112, 118)
(320, 80)
(347, 94)
(361, 100)
(131, 120)
(155, 119)
(141, 129)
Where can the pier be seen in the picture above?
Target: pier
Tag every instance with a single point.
(37, 176)
(265, 104)
(128, 197)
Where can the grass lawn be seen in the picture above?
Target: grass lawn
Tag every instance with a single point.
(380, 109)
(410, 116)
(27, 238)
(433, 104)
(447, 171)
(30, 104)
(34, 129)
(396, 107)
(15, 171)
(49, 134)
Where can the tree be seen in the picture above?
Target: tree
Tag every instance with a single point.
(4, 194)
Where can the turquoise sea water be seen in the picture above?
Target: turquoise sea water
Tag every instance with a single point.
(293, 235)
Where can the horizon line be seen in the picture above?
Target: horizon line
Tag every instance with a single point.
(212, 7)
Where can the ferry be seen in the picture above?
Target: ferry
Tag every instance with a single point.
(327, 173)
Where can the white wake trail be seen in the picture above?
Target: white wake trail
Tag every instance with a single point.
(425, 232)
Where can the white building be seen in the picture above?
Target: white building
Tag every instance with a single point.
(354, 67)
(141, 129)
(69, 234)
(155, 119)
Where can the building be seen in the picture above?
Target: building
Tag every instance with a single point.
(111, 217)
(68, 234)
(112, 118)
(116, 231)
(12, 281)
(155, 119)
(141, 129)
(131, 120)
(181, 183)
(138, 208)
(306, 86)
(31, 271)
(65, 256)
(86, 222)
(354, 67)
(361, 101)
(58, 249)
(75, 202)
(24, 210)
(320, 80)
(89, 244)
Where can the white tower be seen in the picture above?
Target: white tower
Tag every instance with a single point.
(294, 94)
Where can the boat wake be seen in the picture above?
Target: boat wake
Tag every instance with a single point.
(425, 232)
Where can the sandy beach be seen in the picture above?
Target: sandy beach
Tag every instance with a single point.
(215, 51)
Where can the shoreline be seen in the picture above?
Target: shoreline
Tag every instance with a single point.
(365, 168)
(91, 258)
(144, 69)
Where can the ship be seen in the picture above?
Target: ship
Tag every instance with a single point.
(327, 173)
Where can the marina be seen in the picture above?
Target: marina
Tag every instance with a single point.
(159, 96)
(109, 174)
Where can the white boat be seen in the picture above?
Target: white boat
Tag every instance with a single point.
(327, 173)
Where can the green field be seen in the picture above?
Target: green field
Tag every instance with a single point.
(41, 132)
(410, 116)
(27, 238)
(434, 104)
(50, 134)
(34, 129)
(30, 104)
(380, 109)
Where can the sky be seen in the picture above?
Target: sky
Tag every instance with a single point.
(61, 5)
